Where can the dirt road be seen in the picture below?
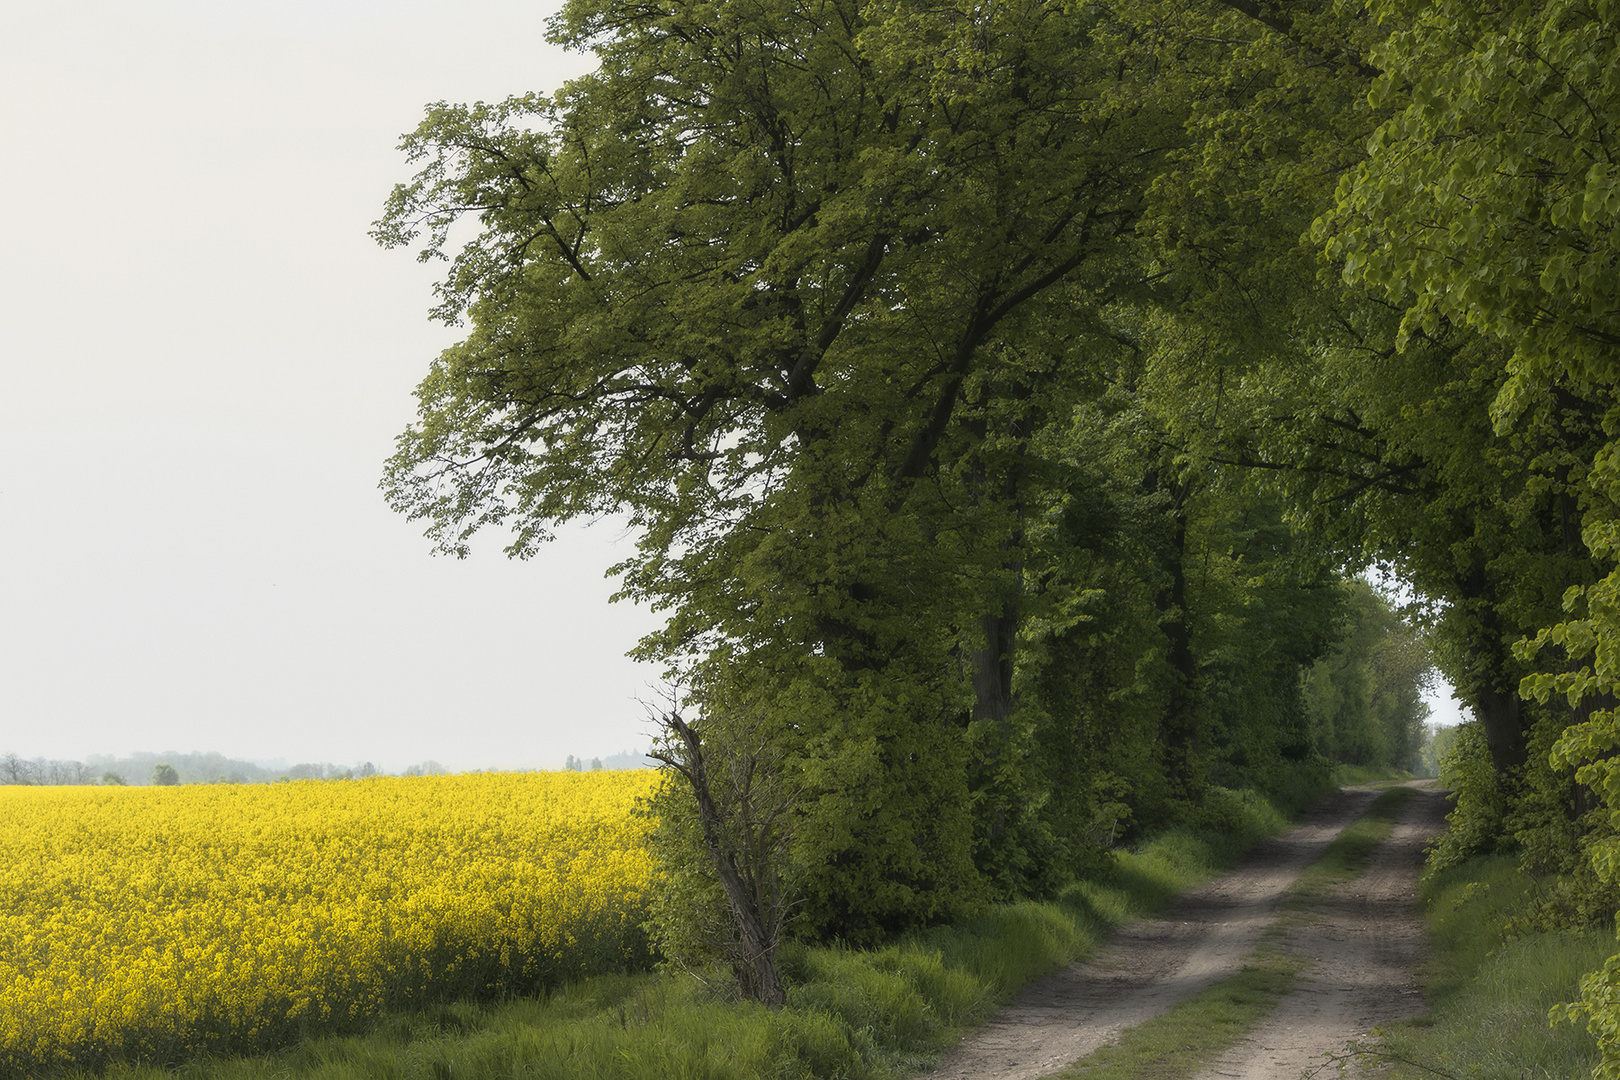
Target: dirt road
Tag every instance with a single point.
(1362, 948)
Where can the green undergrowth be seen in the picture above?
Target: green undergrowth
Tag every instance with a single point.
(1358, 775)
(1491, 986)
(853, 1014)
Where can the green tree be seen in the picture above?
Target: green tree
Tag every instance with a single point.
(1491, 200)
(1365, 698)
(922, 341)
(797, 296)
(1437, 744)
(165, 775)
(1378, 435)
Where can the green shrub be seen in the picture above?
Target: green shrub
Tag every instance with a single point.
(1477, 824)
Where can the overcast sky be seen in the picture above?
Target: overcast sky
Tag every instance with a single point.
(205, 360)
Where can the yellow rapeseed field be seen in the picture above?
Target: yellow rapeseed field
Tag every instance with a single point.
(155, 923)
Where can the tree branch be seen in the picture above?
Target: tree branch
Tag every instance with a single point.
(1267, 15)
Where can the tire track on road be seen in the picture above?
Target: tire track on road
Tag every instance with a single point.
(1364, 945)
(1152, 964)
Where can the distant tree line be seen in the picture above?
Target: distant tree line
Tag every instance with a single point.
(625, 759)
(1365, 697)
(170, 768)
(212, 768)
(165, 769)
(18, 770)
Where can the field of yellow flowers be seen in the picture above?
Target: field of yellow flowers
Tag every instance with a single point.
(157, 923)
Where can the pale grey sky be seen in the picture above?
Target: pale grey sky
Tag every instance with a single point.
(1444, 708)
(203, 363)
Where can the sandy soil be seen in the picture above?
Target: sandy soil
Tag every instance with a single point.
(1363, 949)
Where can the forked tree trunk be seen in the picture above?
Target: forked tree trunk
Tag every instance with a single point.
(752, 892)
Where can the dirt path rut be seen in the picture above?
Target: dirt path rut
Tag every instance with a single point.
(1151, 965)
(1364, 946)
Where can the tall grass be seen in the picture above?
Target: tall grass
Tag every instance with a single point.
(1358, 775)
(1491, 990)
(853, 1014)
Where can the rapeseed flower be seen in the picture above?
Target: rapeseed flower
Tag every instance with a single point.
(152, 923)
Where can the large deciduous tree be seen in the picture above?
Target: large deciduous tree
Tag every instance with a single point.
(795, 285)
(1491, 200)
(1375, 425)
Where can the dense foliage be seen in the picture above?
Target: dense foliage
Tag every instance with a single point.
(1365, 697)
(850, 308)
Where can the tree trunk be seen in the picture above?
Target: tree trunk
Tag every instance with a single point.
(1501, 714)
(1494, 690)
(992, 666)
(756, 910)
(1180, 724)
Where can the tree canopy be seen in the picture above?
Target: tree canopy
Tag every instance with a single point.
(799, 298)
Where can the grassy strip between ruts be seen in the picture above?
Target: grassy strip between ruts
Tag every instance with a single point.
(851, 1014)
(1185, 1039)
(1182, 1041)
(1351, 850)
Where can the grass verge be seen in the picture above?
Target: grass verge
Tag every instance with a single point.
(1359, 775)
(1491, 991)
(851, 1014)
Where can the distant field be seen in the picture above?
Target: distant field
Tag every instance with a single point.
(155, 923)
